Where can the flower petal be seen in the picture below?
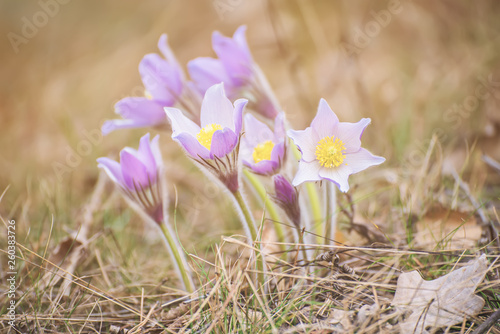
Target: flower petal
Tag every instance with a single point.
(206, 72)
(235, 55)
(135, 173)
(279, 127)
(161, 79)
(325, 121)
(353, 163)
(350, 134)
(306, 143)
(337, 175)
(256, 132)
(361, 160)
(216, 108)
(264, 167)
(168, 54)
(113, 169)
(146, 156)
(192, 146)
(181, 123)
(223, 142)
(116, 124)
(239, 107)
(308, 171)
(155, 149)
(278, 153)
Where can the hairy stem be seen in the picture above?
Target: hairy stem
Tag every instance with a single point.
(179, 258)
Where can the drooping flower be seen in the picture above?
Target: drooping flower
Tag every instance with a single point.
(164, 82)
(263, 150)
(237, 69)
(215, 143)
(137, 175)
(287, 197)
(331, 150)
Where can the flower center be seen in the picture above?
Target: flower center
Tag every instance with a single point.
(205, 135)
(263, 151)
(330, 152)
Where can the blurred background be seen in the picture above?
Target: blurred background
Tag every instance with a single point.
(417, 68)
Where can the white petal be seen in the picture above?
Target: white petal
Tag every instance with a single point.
(306, 142)
(308, 171)
(216, 108)
(350, 134)
(325, 122)
(181, 123)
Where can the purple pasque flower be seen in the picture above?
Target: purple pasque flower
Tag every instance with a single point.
(263, 150)
(215, 143)
(287, 197)
(164, 82)
(331, 150)
(137, 174)
(237, 69)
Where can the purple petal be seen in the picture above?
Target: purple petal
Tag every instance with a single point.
(135, 173)
(181, 123)
(264, 167)
(142, 110)
(307, 172)
(168, 54)
(113, 169)
(235, 55)
(161, 79)
(223, 142)
(146, 156)
(337, 175)
(216, 108)
(206, 72)
(306, 143)
(279, 126)
(350, 134)
(192, 146)
(116, 124)
(278, 152)
(155, 149)
(325, 121)
(239, 107)
(256, 132)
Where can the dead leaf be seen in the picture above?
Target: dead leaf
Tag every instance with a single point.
(444, 301)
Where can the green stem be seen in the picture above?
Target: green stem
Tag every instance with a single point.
(312, 193)
(252, 231)
(179, 258)
(331, 212)
(270, 207)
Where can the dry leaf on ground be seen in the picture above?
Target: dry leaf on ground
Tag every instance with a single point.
(444, 301)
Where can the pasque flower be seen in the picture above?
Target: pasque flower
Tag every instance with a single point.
(287, 197)
(215, 143)
(164, 82)
(237, 69)
(137, 175)
(263, 150)
(331, 150)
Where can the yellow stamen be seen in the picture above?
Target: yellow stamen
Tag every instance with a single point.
(263, 151)
(205, 135)
(330, 152)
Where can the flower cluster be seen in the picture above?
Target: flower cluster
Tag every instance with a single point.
(209, 119)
